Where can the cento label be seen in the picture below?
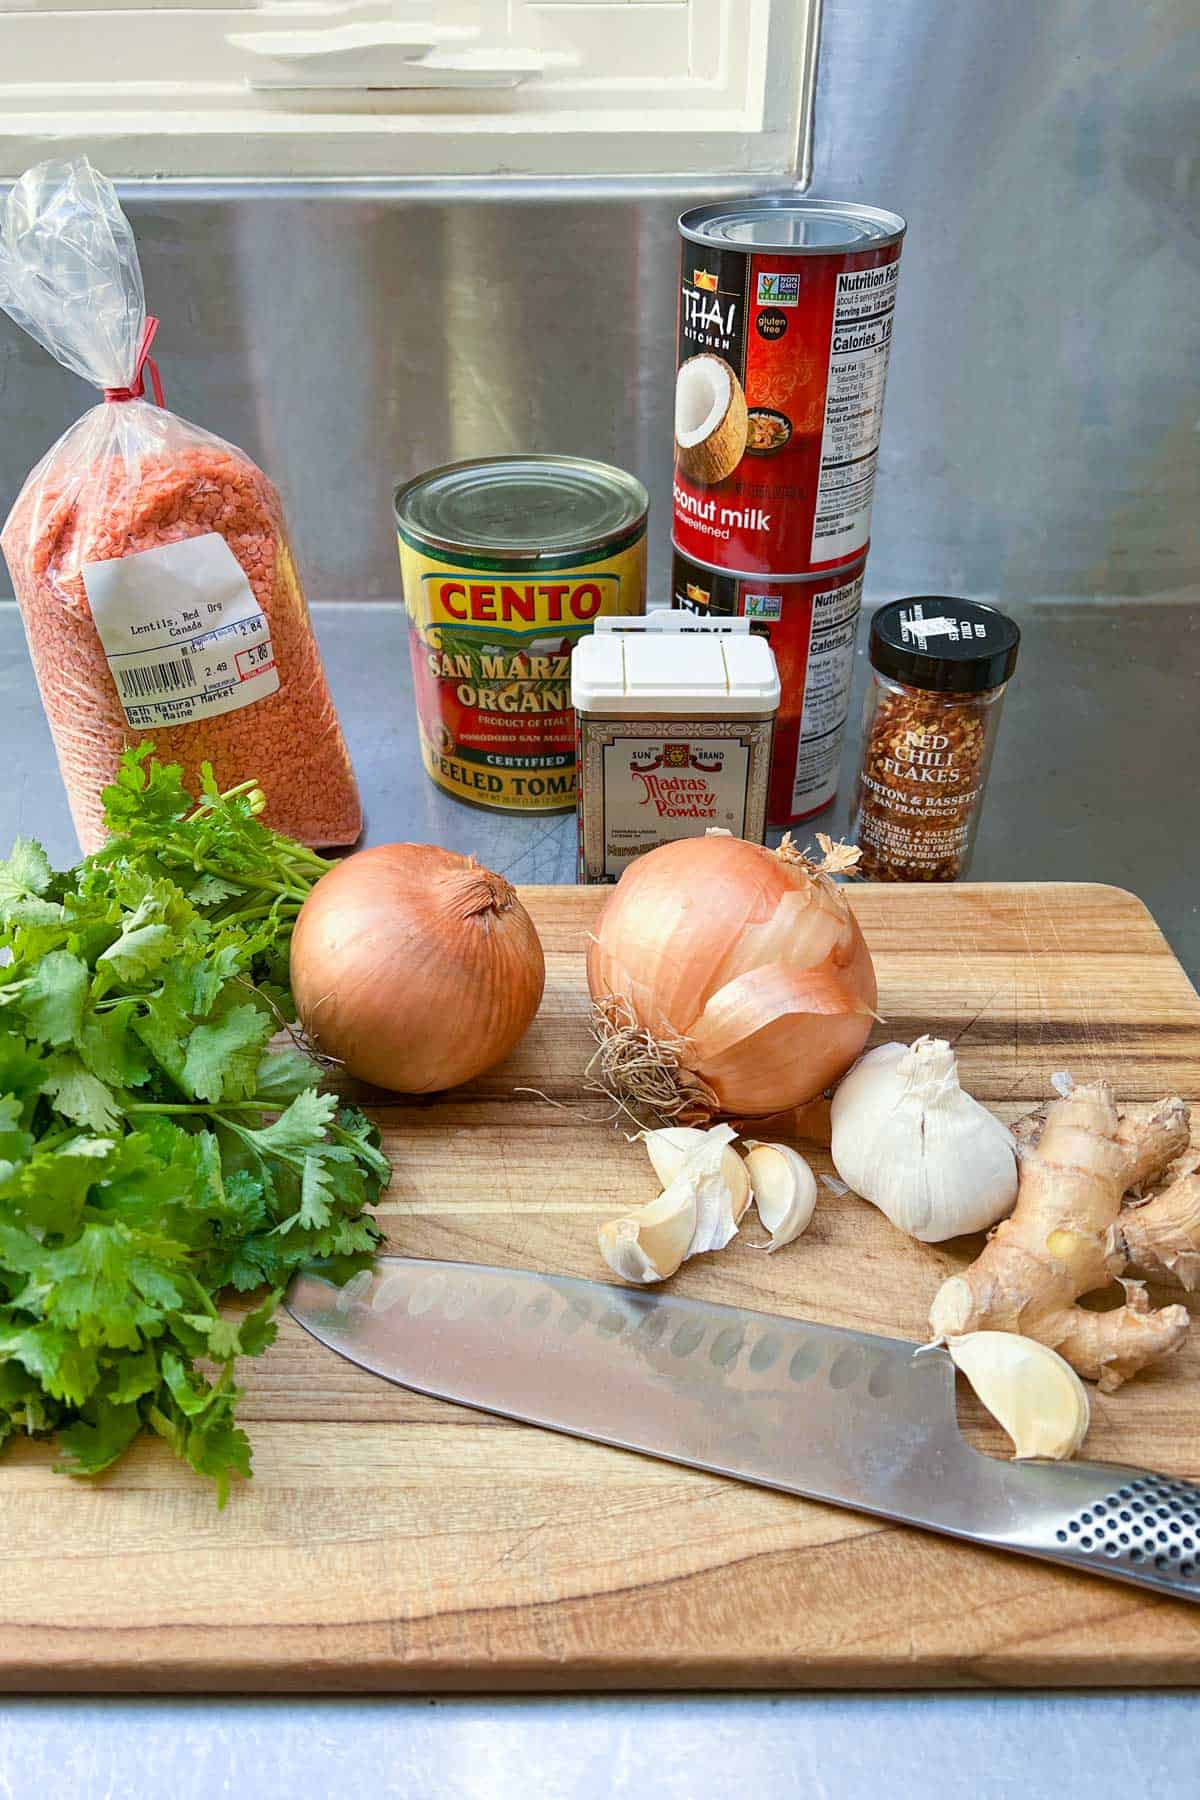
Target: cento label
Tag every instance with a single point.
(491, 660)
(806, 342)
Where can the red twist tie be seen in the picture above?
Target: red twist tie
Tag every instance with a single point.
(142, 361)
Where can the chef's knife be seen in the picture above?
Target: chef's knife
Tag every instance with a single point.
(840, 1416)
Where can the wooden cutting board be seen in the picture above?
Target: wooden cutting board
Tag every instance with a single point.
(393, 1542)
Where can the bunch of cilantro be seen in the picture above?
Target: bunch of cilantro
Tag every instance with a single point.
(153, 1151)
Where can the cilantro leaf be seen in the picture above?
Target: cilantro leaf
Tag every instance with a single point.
(223, 1054)
(78, 1095)
(47, 1190)
(15, 1142)
(99, 1435)
(210, 890)
(134, 1376)
(316, 1194)
(299, 1127)
(282, 1075)
(138, 951)
(109, 1046)
(111, 1285)
(31, 913)
(66, 1368)
(225, 1338)
(52, 997)
(27, 871)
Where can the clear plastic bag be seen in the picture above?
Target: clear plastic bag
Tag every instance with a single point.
(150, 560)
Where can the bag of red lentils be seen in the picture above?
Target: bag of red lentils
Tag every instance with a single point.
(150, 560)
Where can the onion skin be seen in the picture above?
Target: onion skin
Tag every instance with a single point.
(756, 963)
(415, 967)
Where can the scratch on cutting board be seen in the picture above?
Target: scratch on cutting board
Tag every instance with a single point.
(519, 1551)
(975, 1017)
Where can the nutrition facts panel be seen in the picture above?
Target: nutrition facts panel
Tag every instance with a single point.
(864, 304)
(827, 682)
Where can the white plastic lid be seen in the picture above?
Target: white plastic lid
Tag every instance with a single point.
(674, 663)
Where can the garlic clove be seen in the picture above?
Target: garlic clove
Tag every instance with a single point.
(716, 1219)
(785, 1191)
(694, 1214)
(648, 1245)
(1028, 1388)
(670, 1148)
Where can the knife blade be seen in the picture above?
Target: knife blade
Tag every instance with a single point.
(831, 1414)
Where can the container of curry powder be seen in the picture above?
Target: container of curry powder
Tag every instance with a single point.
(507, 562)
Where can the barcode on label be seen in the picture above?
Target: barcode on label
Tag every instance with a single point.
(171, 677)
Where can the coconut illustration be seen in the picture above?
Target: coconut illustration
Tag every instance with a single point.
(710, 419)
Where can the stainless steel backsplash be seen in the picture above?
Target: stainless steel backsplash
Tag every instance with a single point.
(1040, 435)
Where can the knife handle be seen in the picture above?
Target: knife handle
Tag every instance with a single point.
(1128, 1523)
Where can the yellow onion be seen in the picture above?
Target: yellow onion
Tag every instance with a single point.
(740, 970)
(414, 967)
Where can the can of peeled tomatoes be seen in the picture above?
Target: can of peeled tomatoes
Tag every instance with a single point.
(811, 623)
(507, 562)
(785, 324)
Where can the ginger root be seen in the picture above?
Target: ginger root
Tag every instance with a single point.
(1068, 1236)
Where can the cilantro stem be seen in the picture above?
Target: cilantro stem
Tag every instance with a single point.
(249, 881)
(300, 853)
(280, 908)
(215, 1112)
(204, 804)
(49, 1140)
(204, 1297)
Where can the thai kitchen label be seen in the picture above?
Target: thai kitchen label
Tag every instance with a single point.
(643, 786)
(491, 661)
(811, 626)
(183, 632)
(782, 364)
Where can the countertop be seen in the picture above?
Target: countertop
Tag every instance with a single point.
(1094, 779)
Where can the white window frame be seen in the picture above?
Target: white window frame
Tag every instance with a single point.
(81, 75)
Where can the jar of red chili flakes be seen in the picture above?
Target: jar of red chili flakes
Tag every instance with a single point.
(939, 668)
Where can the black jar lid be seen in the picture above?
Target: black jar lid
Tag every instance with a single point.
(952, 646)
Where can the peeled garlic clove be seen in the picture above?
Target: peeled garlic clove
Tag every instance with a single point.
(1028, 1388)
(648, 1245)
(785, 1191)
(671, 1147)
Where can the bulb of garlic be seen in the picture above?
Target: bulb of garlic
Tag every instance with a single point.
(908, 1139)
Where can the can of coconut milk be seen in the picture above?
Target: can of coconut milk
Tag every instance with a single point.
(507, 562)
(811, 623)
(785, 324)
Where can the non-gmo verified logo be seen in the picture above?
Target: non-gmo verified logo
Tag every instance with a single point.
(764, 606)
(782, 289)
